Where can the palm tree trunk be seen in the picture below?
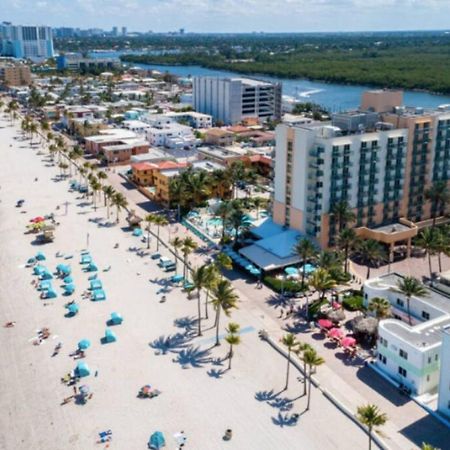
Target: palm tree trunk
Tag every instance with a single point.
(217, 325)
(230, 356)
(199, 313)
(309, 389)
(440, 261)
(148, 241)
(206, 304)
(107, 209)
(287, 369)
(368, 272)
(429, 264)
(305, 378)
(370, 438)
(184, 267)
(346, 259)
(303, 273)
(157, 241)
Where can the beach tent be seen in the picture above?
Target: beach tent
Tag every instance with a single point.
(156, 441)
(50, 294)
(84, 344)
(31, 260)
(95, 284)
(110, 336)
(68, 280)
(82, 370)
(92, 267)
(63, 269)
(40, 256)
(116, 319)
(69, 289)
(137, 232)
(45, 285)
(86, 259)
(73, 309)
(98, 294)
(46, 275)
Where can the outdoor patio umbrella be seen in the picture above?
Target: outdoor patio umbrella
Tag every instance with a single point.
(348, 341)
(38, 219)
(291, 271)
(51, 294)
(335, 333)
(46, 275)
(39, 270)
(325, 323)
(84, 344)
(65, 269)
(137, 232)
(157, 441)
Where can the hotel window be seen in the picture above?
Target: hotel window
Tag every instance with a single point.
(289, 146)
(436, 357)
(402, 371)
(429, 360)
(382, 358)
(425, 315)
(403, 354)
(400, 303)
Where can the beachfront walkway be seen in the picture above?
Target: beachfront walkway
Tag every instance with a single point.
(156, 343)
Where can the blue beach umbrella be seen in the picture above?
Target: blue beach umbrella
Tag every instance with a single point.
(84, 343)
(73, 308)
(82, 370)
(157, 441)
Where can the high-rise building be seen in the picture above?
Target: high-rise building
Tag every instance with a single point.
(124, 31)
(378, 160)
(115, 31)
(230, 100)
(34, 42)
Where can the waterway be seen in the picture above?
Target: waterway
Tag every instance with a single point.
(334, 97)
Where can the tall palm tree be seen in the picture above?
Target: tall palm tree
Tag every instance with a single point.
(109, 193)
(120, 202)
(177, 244)
(212, 278)
(33, 130)
(290, 342)
(96, 187)
(189, 245)
(442, 243)
(343, 214)
(149, 219)
(381, 307)
(301, 349)
(322, 281)
(232, 339)
(224, 212)
(306, 250)
(199, 280)
(410, 286)
(177, 195)
(312, 359)
(224, 298)
(427, 241)
(160, 221)
(439, 196)
(371, 416)
(372, 253)
(240, 222)
(347, 242)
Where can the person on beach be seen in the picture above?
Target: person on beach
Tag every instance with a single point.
(10, 324)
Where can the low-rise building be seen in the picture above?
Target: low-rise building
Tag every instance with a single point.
(77, 63)
(220, 137)
(409, 344)
(173, 135)
(121, 153)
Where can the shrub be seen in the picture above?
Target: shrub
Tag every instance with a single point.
(353, 302)
(288, 286)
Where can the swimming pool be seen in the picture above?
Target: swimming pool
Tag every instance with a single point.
(214, 221)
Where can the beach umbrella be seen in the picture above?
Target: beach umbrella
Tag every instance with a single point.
(95, 284)
(335, 333)
(82, 370)
(68, 280)
(66, 270)
(46, 275)
(40, 256)
(325, 323)
(348, 341)
(44, 285)
(137, 232)
(50, 294)
(73, 308)
(92, 267)
(39, 270)
(157, 441)
(84, 344)
(291, 271)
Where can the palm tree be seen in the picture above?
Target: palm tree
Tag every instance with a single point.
(410, 286)
(119, 201)
(347, 241)
(342, 214)
(442, 244)
(150, 219)
(199, 280)
(223, 298)
(312, 359)
(239, 221)
(177, 194)
(224, 211)
(381, 307)
(428, 447)
(372, 253)
(160, 221)
(109, 193)
(439, 195)
(427, 241)
(95, 186)
(236, 172)
(301, 349)
(322, 281)
(371, 416)
(212, 278)
(290, 342)
(177, 244)
(189, 245)
(306, 250)
(233, 339)
(33, 130)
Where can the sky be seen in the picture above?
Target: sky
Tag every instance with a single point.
(232, 15)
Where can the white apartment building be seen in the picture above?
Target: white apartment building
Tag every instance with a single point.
(231, 100)
(411, 355)
(192, 118)
(138, 126)
(444, 381)
(173, 136)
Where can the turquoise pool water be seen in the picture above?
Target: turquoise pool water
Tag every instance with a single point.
(215, 221)
(309, 268)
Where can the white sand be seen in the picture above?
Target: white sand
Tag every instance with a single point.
(191, 400)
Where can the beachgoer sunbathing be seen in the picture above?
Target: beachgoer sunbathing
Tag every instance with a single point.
(10, 324)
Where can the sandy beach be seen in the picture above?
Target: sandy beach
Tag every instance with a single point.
(199, 396)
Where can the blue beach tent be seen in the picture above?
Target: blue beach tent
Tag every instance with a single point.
(116, 319)
(82, 370)
(40, 256)
(84, 344)
(73, 309)
(46, 275)
(68, 280)
(110, 336)
(156, 441)
(98, 294)
(50, 294)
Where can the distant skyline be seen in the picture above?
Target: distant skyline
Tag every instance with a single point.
(232, 15)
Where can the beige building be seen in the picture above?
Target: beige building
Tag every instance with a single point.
(381, 168)
(15, 74)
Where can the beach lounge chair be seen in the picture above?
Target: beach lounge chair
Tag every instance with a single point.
(170, 267)
(107, 269)
(177, 278)
(95, 284)
(68, 257)
(85, 259)
(98, 295)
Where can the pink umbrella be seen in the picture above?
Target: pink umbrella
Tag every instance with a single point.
(325, 323)
(335, 333)
(348, 342)
(336, 305)
(38, 219)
